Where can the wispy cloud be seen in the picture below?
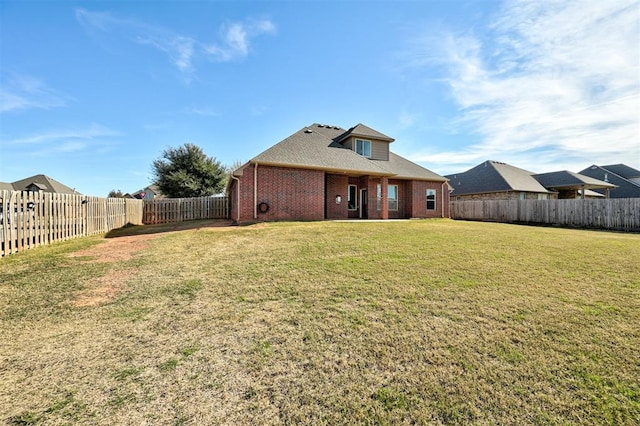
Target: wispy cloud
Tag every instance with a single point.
(63, 141)
(236, 38)
(182, 50)
(556, 84)
(26, 92)
(203, 111)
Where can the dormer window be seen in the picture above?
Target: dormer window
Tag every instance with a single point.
(363, 147)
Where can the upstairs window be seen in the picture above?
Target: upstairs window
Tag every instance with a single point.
(431, 199)
(363, 147)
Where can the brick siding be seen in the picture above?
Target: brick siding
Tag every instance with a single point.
(300, 194)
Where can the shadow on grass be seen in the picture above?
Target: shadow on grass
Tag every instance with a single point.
(130, 230)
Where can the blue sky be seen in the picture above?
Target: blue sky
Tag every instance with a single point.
(92, 92)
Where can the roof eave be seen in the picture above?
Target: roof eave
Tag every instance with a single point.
(320, 168)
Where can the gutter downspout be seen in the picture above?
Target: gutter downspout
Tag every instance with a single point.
(238, 203)
(255, 191)
(442, 210)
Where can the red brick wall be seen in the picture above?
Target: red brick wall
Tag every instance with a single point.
(416, 192)
(299, 194)
(246, 197)
(292, 194)
(337, 185)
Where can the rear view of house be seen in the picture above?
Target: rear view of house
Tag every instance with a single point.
(327, 172)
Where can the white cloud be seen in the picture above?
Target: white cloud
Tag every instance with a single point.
(236, 38)
(558, 86)
(66, 138)
(182, 50)
(203, 111)
(26, 92)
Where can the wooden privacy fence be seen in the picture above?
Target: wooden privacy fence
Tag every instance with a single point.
(166, 210)
(30, 219)
(619, 214)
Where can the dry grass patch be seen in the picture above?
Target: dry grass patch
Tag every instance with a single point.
(104, 290)
(427, 322)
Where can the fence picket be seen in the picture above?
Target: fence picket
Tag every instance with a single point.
(620, 214)
(31, 219)
(167, 210)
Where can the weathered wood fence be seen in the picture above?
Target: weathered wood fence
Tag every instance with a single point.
(619, 214)
(166, 210)
(30, 219)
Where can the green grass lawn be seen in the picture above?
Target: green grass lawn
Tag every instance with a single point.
(414, 322)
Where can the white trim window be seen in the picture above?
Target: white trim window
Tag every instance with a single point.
(431, 199)
(363, 147)
(352, 197)
(392, 195)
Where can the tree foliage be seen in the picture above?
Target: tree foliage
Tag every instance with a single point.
(115, 193)
(187, 171)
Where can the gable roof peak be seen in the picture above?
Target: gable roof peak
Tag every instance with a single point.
(365, 132)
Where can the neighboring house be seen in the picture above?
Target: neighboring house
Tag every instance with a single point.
(626, 179)
(6, 186)
(42, 183)
(148, 193)
(493, 180)
(570, 185)
(326, 172)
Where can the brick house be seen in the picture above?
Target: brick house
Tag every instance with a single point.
(495, 180)
(326, 172)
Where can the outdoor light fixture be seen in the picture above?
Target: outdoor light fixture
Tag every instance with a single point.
(338, 199)
(85, 201)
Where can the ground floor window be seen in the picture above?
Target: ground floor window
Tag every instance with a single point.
(352, 197)
(431, 199)
(392, 197)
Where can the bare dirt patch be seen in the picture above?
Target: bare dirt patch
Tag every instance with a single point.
(106, 289)
(116, 249)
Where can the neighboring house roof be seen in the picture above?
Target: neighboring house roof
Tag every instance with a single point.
(44, 183)
(592, 194)
(150, 192)
(623, 170)
(318, 147)
(626, 187)
(569, 180)
(6, 186)
(494, 176)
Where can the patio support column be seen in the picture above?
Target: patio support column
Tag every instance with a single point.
(384, 203)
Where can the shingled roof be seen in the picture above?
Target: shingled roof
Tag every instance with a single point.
(494, 176)
(627, 184)
(318, 147)
(623, 170)
(44, 183)
(570, 180)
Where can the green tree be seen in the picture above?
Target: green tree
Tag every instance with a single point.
(115, 194)
(187, 171)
